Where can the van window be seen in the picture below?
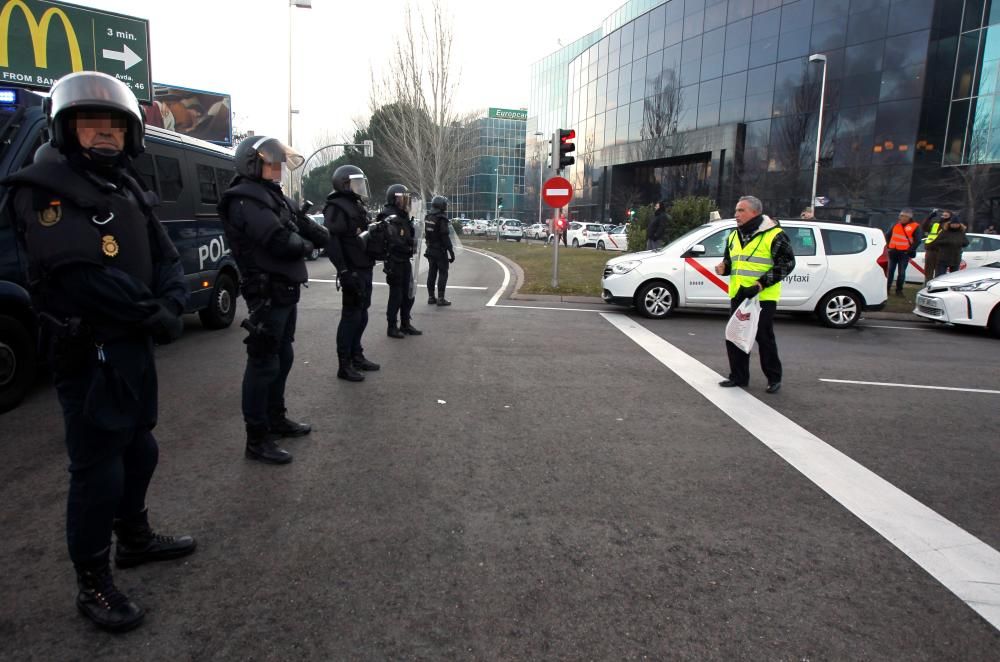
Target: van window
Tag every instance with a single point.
(839, 242)
(144, 167)
(223, 177)
(171, 185)
(803, 240)
(206, 184)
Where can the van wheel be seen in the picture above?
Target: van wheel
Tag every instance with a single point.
(576, 244)
(656, 300)
(17, 362)
(839, 309)
(222, 308)
(600, 246)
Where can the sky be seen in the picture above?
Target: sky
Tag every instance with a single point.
(240, 47)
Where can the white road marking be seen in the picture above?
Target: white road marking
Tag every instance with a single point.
(575, 310)
(450, 287)
(904, 328)
(935, 388)
(506, 277)
(965, 565)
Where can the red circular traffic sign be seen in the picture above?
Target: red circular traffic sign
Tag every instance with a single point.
(557, 192)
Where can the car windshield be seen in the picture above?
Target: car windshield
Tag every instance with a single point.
(992, 265)
(595, 228)
(685, 238)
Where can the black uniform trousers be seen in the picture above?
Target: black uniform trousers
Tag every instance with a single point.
(767, 345)
(269, 360)
(400, 302)
(110, 469)
(354, 316)
(437, 271)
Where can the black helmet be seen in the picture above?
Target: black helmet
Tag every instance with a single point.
(398, 195)
(439, 203)
(350, 179)
(92, 91)
(253, 152)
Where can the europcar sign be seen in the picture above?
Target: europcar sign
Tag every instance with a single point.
(42, 41)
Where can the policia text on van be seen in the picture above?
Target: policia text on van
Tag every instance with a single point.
(187, 175)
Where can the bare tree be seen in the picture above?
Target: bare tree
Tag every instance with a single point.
(660, 114)
(424, 140)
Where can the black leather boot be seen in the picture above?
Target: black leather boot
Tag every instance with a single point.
(441, 301)
(361, 363)
(394, 331)
(261, 447)
(346, 370)
(138, 544)
(101, 601)
(283, 426)
(409, 329)
(431, 300)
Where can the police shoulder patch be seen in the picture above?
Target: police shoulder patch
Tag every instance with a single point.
(109, 245)
(50, 215)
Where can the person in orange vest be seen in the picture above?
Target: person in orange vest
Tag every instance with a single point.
(903, 239)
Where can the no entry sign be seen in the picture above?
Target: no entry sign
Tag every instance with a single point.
(557, 192)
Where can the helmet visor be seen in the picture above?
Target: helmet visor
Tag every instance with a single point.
(403, 201)
(358, 184)
(272, 151)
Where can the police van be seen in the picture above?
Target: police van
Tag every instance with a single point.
(187, 174)
(837, 276)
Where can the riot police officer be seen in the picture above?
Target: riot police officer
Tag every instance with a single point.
(346, 218)
(440, 252)
(269, 237)
(106, 282)
(402, 244)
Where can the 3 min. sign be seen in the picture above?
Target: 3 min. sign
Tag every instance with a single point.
(557, 192)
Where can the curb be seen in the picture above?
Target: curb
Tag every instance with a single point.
(575, 298)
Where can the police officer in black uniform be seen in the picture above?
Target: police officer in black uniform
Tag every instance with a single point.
(269, 237)
(106, 282)
(346, 218)
(440, 252)
(402, 244)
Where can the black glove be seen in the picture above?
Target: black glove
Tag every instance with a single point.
(314, 232)
(350, 281)
(307, 248)
(745, 292)
(451, 257)
(164, 322)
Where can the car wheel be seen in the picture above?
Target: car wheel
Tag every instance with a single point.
(656, 300)
(17, 362)
(576, 244)
(600, 246)
(839, 309)
(222, 308)
(994, 323)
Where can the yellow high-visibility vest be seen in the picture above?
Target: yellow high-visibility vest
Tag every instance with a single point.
(933, 234)
(750, 262)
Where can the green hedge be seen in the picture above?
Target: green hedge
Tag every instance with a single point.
(685, 214)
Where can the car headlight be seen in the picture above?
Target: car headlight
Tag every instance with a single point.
(624, 267)
(977, 286)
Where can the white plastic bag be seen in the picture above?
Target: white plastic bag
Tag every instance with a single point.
(742, 327)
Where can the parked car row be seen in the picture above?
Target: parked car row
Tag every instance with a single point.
(983, 249)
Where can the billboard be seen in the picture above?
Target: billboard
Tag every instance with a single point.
(195, 113)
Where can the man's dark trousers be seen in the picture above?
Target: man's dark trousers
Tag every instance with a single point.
(437, 272)
(739, 361)
(354, 316)
(898, 260)
(400, 301)
(268, 366)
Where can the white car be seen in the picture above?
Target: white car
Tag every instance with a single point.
(836, 273)
(614, 239)
(511, 229)
(982, 249)
(968, 297)
(583, 234)
(316, 252)
(537, 231)
(479, 227)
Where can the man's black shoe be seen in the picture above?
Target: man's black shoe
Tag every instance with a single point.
(138, 543)
(346, 370)
(443, 302)
(410, 330)
(261, 447)
(394, 332)
(285, 427)
(728, 383)
(361, 363)
(101, 601)
(431, 300)
(773, 387)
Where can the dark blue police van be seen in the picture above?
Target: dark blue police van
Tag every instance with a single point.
(188, 175)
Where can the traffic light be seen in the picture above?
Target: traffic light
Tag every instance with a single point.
(560, 223)
(631, 214)
(563, 148)
(499, 203)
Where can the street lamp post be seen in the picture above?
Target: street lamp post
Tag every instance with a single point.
(541, 170)
(301, 4)
(818, 57)
(496, 202)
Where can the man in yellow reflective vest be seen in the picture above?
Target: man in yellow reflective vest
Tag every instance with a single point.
(902, 239)
(932, 226)
(758, 256)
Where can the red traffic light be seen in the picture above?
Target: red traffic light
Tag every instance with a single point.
(566, 135)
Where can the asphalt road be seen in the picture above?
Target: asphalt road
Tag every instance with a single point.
(527, 481)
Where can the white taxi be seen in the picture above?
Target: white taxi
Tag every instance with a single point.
(836, 273)
(969, 297)
(982, 249)
(613, 239)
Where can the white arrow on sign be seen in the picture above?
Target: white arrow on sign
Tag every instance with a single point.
(127, 56)
(557, 191)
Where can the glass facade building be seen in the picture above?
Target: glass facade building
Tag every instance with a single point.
(495, 167)
(719, 98)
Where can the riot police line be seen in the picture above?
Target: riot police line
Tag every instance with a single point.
(107, 283)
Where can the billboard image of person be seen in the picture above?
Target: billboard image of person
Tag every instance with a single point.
(195, 113)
